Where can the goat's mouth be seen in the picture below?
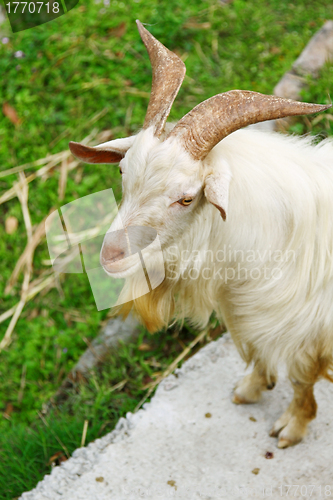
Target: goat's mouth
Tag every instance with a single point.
(122, 268)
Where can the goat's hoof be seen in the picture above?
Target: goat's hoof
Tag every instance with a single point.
(280, 424)
(289, 429)
(274, 432)
(284, 443)
(246, 392)
(239, 400)
(286, 439)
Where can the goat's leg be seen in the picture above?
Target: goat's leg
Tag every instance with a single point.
(291, 427)
(249, 389)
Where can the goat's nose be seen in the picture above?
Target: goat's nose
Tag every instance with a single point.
(121, 244)
(110, 254)
(114, 247)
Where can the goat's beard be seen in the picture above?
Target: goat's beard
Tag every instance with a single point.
(155, 309)
(166, 303)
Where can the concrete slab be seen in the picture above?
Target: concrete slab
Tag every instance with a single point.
(191, 442)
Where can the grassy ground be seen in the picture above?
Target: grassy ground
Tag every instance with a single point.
(90, 69)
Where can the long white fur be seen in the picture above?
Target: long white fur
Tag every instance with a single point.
(279, 217)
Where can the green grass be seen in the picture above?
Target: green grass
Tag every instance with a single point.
(75, 67)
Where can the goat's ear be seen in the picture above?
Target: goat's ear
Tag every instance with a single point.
(216, 187)
(108, 152)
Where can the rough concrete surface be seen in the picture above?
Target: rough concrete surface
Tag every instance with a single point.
(191, 442)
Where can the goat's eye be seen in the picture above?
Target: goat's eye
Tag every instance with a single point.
(120, 170)
(185, 201)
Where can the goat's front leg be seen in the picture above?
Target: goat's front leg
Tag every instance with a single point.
(249, 389)
(291, 427)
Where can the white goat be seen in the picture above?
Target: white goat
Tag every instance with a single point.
(266, 265)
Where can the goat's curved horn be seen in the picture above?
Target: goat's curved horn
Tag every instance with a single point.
(168, 75)
(212, 120)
